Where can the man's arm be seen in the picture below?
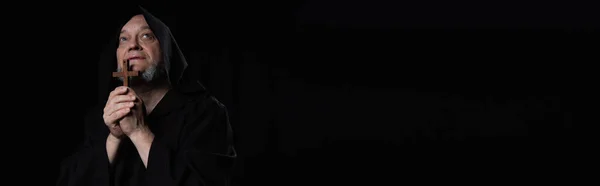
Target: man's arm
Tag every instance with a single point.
(112, 144)
(142, 140)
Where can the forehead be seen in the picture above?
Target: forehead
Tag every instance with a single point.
(136, 22)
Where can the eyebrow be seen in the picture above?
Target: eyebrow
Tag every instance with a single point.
(143, 28)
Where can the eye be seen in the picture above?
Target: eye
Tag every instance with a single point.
(121, 39)
(148, 36)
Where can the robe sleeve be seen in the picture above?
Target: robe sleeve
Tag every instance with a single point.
(205, 154)
(88, 165)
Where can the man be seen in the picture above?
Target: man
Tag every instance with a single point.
(161, 129)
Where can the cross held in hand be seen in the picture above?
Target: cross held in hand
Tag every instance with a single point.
(125, 73)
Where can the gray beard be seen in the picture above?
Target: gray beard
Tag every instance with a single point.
(149, 75)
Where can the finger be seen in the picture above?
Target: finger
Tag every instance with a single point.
(116, 100)
(116, 107)
(119, 99)
(119, 90)
(130, 92)
(122, 98)
(115, 116)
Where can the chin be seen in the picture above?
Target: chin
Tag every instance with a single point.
(137, 68)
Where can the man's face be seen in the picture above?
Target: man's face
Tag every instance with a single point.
(138, 44)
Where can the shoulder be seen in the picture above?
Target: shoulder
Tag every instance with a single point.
(208, 103)
(197, 95)
(213, 103)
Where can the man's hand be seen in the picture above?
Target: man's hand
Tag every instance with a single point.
(131, 120)
(133, 124)
(120, 103)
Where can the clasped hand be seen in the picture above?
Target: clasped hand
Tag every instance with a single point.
(124, 112)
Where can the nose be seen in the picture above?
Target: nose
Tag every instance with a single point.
(134, 45)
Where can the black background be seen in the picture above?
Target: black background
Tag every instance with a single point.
(337, 92)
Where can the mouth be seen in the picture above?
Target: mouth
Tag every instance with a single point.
(136, 58)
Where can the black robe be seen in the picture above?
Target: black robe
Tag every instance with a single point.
(193, 145)
(193, 142)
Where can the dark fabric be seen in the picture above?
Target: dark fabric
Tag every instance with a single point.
(193, 142)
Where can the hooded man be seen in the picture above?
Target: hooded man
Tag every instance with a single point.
(162, 129)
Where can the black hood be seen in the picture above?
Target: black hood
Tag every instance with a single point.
(173, 57)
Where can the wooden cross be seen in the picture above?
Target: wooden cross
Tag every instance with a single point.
(125, 73)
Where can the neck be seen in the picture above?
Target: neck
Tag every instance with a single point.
(151, 93)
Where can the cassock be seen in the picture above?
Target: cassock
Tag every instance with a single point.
(193, 142)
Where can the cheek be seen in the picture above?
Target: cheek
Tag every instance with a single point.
(155, 52)
(119, 54)
(120, 58)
